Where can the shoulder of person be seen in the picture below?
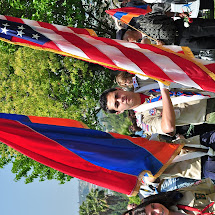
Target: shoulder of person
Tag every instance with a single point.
(205, 185)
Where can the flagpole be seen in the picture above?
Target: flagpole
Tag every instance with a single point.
(140, 31)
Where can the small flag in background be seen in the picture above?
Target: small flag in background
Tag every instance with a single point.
(166, 63)
(110, 160)
(125, 14)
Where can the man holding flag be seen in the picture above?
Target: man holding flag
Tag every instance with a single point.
(195, 33)
(199, 35)
(189, 108)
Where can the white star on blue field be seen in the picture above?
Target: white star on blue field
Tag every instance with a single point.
(10, 29)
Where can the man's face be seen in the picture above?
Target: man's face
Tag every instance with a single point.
(121, 100)
(131, 36)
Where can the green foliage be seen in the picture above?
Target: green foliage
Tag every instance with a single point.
(134, 199)
(75, 13)
(120, 203)
(45, 84)
(116, 123)
(95, 203)
(101, 203)
(97, 19)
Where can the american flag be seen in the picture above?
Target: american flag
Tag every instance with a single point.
(166, 63)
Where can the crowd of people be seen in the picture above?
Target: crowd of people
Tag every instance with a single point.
(160, 25)
(159, 112)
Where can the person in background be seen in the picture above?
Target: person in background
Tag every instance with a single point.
(158, 24)
(196, 199)
(199, 35)
(131, 3)
(131, 206)
(124, 79)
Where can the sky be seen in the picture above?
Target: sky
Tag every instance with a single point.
(37, 198)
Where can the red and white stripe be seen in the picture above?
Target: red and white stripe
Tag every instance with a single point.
(166, 63)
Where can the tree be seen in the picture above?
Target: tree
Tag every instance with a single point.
(116, 123)
(97, 19)
(45, 84)
(95, 203)
(75, 13)
(134, 199)
(99, 202)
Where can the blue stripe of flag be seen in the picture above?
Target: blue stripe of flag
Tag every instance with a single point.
(119, 15)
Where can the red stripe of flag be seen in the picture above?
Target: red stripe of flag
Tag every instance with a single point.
(211, 67)
(80, 30)
(147, 67)
(14, 19)
(91, 51)
(57, 121)
(47, 25)
(191, 69)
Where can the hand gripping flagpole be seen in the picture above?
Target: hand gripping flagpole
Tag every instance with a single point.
(140, 31)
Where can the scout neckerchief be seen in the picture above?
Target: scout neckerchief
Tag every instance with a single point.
(200, 212)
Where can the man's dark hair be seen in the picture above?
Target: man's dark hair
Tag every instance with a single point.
(120, 33)
(103, 100)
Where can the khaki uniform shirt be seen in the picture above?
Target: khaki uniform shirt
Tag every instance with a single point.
(189, 168)
(192, 112)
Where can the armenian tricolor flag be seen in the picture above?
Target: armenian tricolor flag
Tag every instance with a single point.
(109, 160)
(125, 14)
